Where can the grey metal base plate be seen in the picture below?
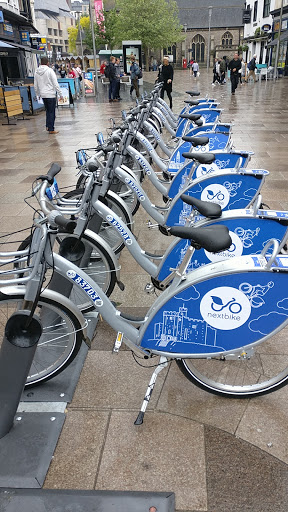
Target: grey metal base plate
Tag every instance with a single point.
(84, 501)
(26, 452)
(61, 388)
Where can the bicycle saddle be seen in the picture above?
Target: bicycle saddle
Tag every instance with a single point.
(205, 208)
(212, 239)
(192, 117)
(196, 141)
(204, 158)
(193, 93)
(192, 102)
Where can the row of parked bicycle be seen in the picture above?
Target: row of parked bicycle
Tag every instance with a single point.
(223, 307)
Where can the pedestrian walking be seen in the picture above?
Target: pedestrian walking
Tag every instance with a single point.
(222, 71)
(134, 73)
(167, 79)
(252, 66)
(118, 75)
(234, 66)
(195, 68)
(46, 87)
(242, 71)
(216, 73)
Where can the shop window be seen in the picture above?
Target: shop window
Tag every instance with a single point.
(266, 8)
(255, 10)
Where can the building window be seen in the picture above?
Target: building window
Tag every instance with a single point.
(50, 31)
(198, 48)
(55, 32)
(266, 8)
(227, 39)
(255, 10)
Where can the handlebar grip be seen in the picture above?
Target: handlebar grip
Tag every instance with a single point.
(68, 224)
(53, 171)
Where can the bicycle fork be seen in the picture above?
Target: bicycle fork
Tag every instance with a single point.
(162, 364)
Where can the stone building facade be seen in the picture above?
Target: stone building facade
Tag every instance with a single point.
(226, 30)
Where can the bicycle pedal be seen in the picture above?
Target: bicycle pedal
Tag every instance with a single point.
(118, 343)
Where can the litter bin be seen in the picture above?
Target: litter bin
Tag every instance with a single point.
(184, 63)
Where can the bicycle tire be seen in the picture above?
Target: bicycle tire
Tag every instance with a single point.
(60, 340)
(264, 372)
(101, 268)
(107, 232)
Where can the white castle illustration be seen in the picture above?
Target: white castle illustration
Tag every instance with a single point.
(177, 327)
(176, 164)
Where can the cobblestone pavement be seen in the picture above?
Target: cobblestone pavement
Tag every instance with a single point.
(216, 454)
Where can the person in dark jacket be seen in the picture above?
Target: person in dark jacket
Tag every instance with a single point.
(234, 66)
(252, 66)
(166, 76)
(111, 73)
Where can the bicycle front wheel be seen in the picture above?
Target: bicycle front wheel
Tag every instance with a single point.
(262, 371)
(60, 340)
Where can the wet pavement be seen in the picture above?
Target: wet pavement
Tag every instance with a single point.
(216, 454)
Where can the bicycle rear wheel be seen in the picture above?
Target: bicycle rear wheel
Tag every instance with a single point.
(261, 372)
(60, 340)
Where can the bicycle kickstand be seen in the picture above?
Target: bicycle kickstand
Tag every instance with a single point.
(162, 364)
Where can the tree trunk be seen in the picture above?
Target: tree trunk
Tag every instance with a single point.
(146, 53)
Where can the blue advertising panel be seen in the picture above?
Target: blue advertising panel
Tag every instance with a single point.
(249, 236)
(221, 314)
(71, 83)
(35, 103)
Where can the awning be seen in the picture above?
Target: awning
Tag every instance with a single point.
(283, 37)
(20, 20)
(6, 45)
(22, 47)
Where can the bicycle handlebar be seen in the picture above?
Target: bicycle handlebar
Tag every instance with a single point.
(53, 171)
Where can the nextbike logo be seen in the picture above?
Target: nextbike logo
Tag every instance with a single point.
(202, 170)
(120, 229)
(161, 116)
(225, 308)
(235, 249)
(216, 193)
(131, 184)
(92, 294)
(155, 133)
(143, 164)
(147, 144)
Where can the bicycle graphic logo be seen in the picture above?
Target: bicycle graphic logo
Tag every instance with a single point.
(219, 195)
(232, 305)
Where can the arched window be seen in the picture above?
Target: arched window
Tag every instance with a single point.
(227, 39)
(198, 48)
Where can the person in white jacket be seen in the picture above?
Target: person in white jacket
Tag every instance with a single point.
(46, 86)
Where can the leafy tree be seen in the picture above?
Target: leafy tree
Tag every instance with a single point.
(104, 30)
(155, 23)
(72, 37)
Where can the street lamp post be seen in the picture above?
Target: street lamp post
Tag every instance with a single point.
(209, 35)
(82, 55)
(94, 47)
(278, 43)
(185, 30)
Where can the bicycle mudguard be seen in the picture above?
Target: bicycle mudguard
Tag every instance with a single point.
(221, 308)
(249, 235)
(217, 142)
(222, 161)
(228, 188)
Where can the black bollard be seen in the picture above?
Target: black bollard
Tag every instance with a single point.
(16, 355)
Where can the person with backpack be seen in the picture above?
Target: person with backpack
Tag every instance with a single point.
(110, 73)
(252, 66)
(135, 71)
